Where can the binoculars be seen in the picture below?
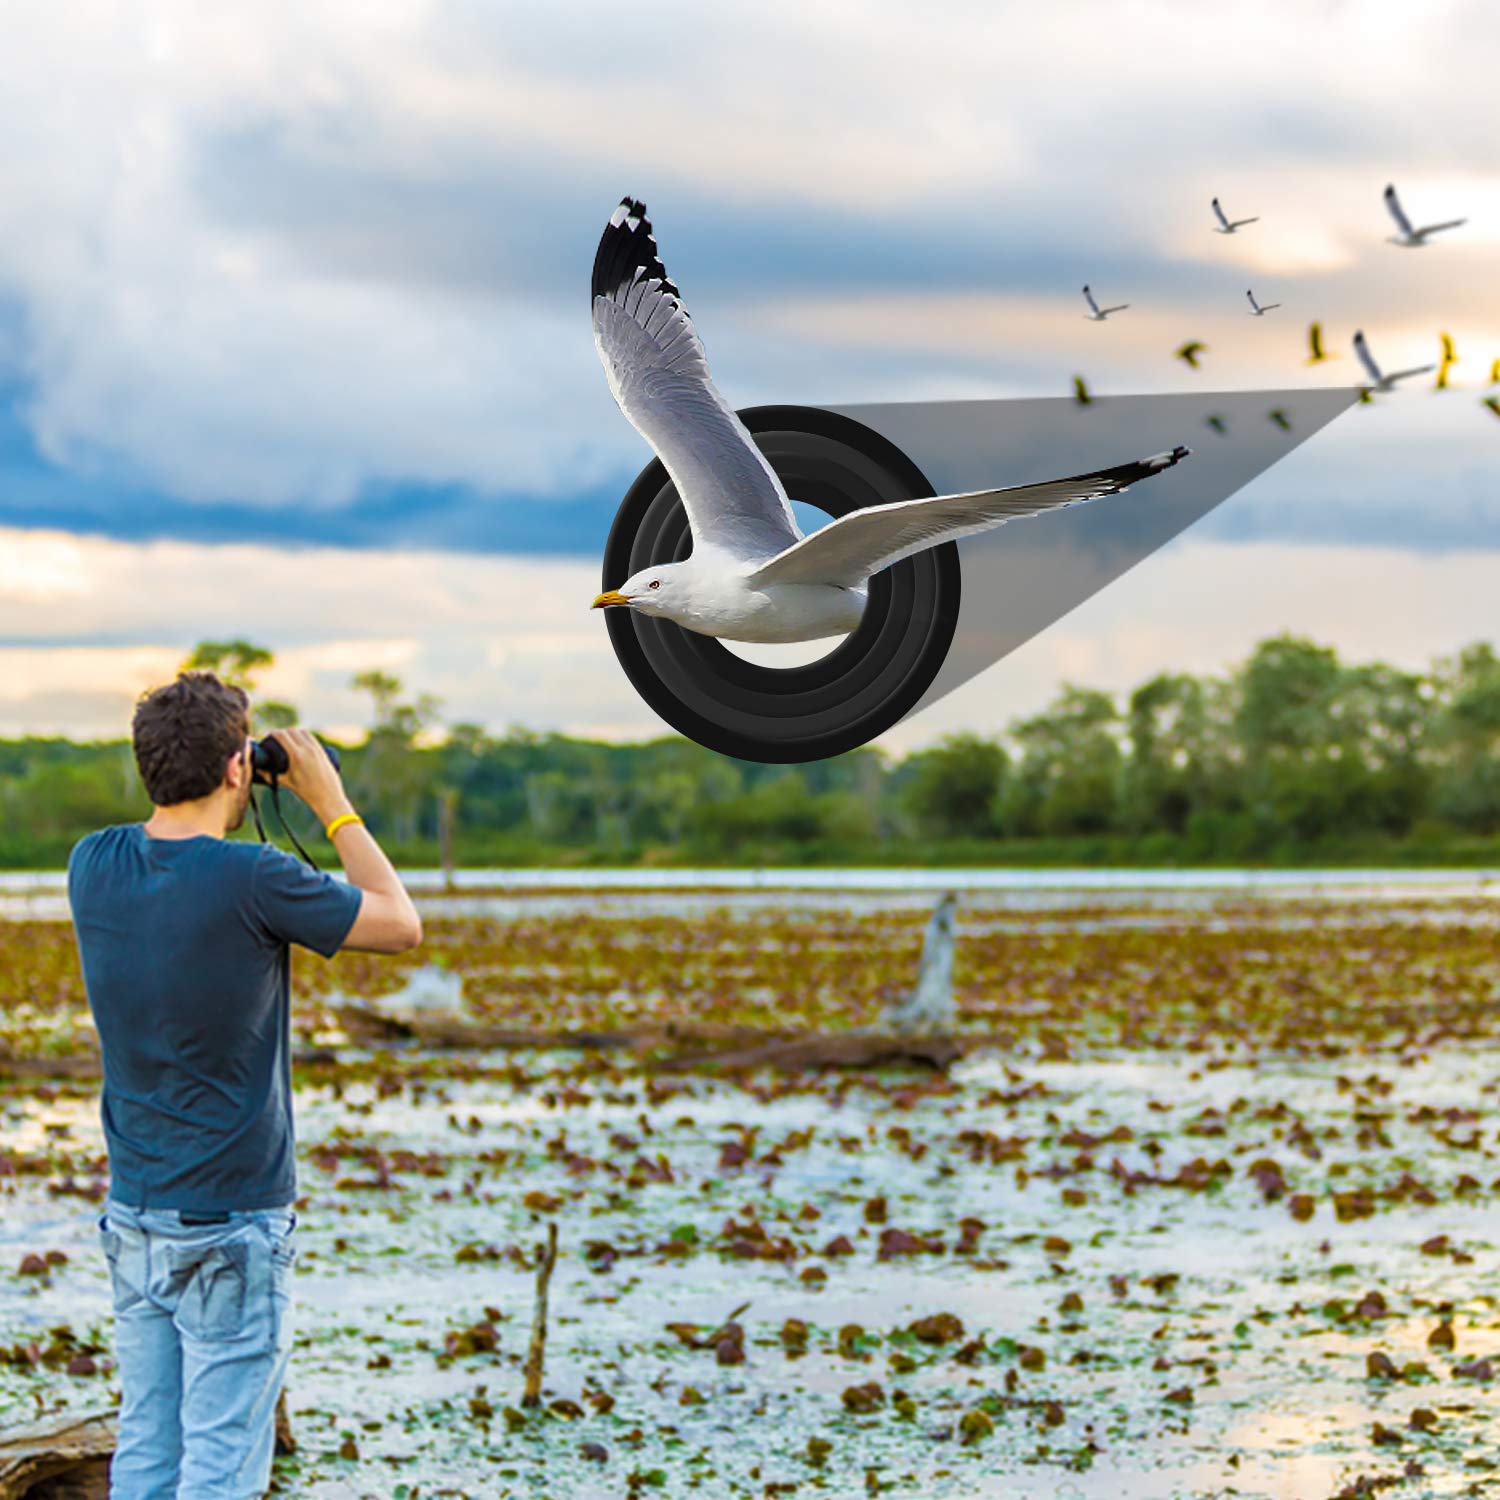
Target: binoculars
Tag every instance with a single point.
(268, 760)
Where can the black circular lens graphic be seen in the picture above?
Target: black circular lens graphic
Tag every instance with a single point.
(844, 699)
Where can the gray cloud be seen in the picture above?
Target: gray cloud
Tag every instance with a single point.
(274, 257)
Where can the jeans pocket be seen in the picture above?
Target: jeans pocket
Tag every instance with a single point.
(213, 1294)
(125, 1293)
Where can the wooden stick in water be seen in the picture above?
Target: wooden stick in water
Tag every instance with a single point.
(537, 1352)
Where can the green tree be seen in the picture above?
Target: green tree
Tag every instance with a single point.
(1328, 750)
(393, 772)
(951, 789)
(1068, 777)
(1467, 736)
(239, 663)
(1178, 757)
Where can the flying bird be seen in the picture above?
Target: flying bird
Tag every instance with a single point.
(1495, 373)
(1098, 314)
(1493, 402)
(1218, 424)
(1317, 353)
(1449, 359)
(752, 574)
(1383, 383)
(1278, 415)
(1081, 392)
(1228, 225)
(1260, 309)
(1190, 351)
(1409, 238)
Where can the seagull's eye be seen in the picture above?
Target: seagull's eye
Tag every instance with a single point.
(654, 584)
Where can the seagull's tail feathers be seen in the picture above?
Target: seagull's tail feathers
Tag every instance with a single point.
(630, 286)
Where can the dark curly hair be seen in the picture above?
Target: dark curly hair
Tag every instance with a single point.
(185, 733)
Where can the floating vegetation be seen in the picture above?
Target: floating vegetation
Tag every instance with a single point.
(1213, 1211)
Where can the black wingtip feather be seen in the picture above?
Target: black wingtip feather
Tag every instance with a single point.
(627, 247)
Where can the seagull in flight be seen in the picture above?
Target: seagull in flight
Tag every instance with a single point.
(752, 574)
(1493, 402)
(1190, 351)
(1098, 314)
(1228, 225)
(1495, 373)
(1409, 238)
(1081, 391)
(1383, 384)
(1260, 309)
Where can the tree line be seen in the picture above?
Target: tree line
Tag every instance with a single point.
(1293, 756)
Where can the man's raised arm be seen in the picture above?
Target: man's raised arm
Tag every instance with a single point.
(388, 921)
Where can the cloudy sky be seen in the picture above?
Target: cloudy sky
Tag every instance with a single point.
(294, 339)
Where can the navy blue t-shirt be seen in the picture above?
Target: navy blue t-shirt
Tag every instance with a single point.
(186, 963)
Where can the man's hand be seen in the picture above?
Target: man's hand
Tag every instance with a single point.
(311, 775)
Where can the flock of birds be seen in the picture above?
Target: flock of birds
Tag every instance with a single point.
(753, 574)
(1381, 382)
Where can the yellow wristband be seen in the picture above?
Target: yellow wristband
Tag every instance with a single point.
(340, 822)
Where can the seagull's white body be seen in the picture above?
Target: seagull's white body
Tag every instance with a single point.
(1097, 314)
(753, 575)
(1411, 238)
(1383, 383)
(1260, 309)
(1226, 225)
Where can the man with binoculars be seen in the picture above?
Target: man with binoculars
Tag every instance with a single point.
(184, 938)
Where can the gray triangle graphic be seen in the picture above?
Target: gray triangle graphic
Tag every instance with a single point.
(1023, 577)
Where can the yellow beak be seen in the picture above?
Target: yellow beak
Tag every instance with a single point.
(608, 597)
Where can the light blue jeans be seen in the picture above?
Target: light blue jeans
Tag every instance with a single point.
(202, 1334)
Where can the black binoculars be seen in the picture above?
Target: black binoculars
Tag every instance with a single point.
(268, 760)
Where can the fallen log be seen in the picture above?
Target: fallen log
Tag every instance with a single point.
(849, 1050)
(67, 1458)
(459, 1033)
(61, 1459)
(85, 1066)
(88, 1067)
(672, 1046)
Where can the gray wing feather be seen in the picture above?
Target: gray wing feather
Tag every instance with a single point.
(851, 549)
(658, 373)
(1367, 359)
(1393, 203)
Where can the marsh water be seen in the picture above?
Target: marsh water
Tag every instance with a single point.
(1221, 1146)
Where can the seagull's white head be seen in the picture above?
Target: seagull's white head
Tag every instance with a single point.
(662, 591)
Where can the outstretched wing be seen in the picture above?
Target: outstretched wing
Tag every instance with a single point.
(1219, 214)
(1427, 229)
(1407, 374)
(1393, 203)
(851, 549)
(1367, 360)
(658, 373)
(1089, 297)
